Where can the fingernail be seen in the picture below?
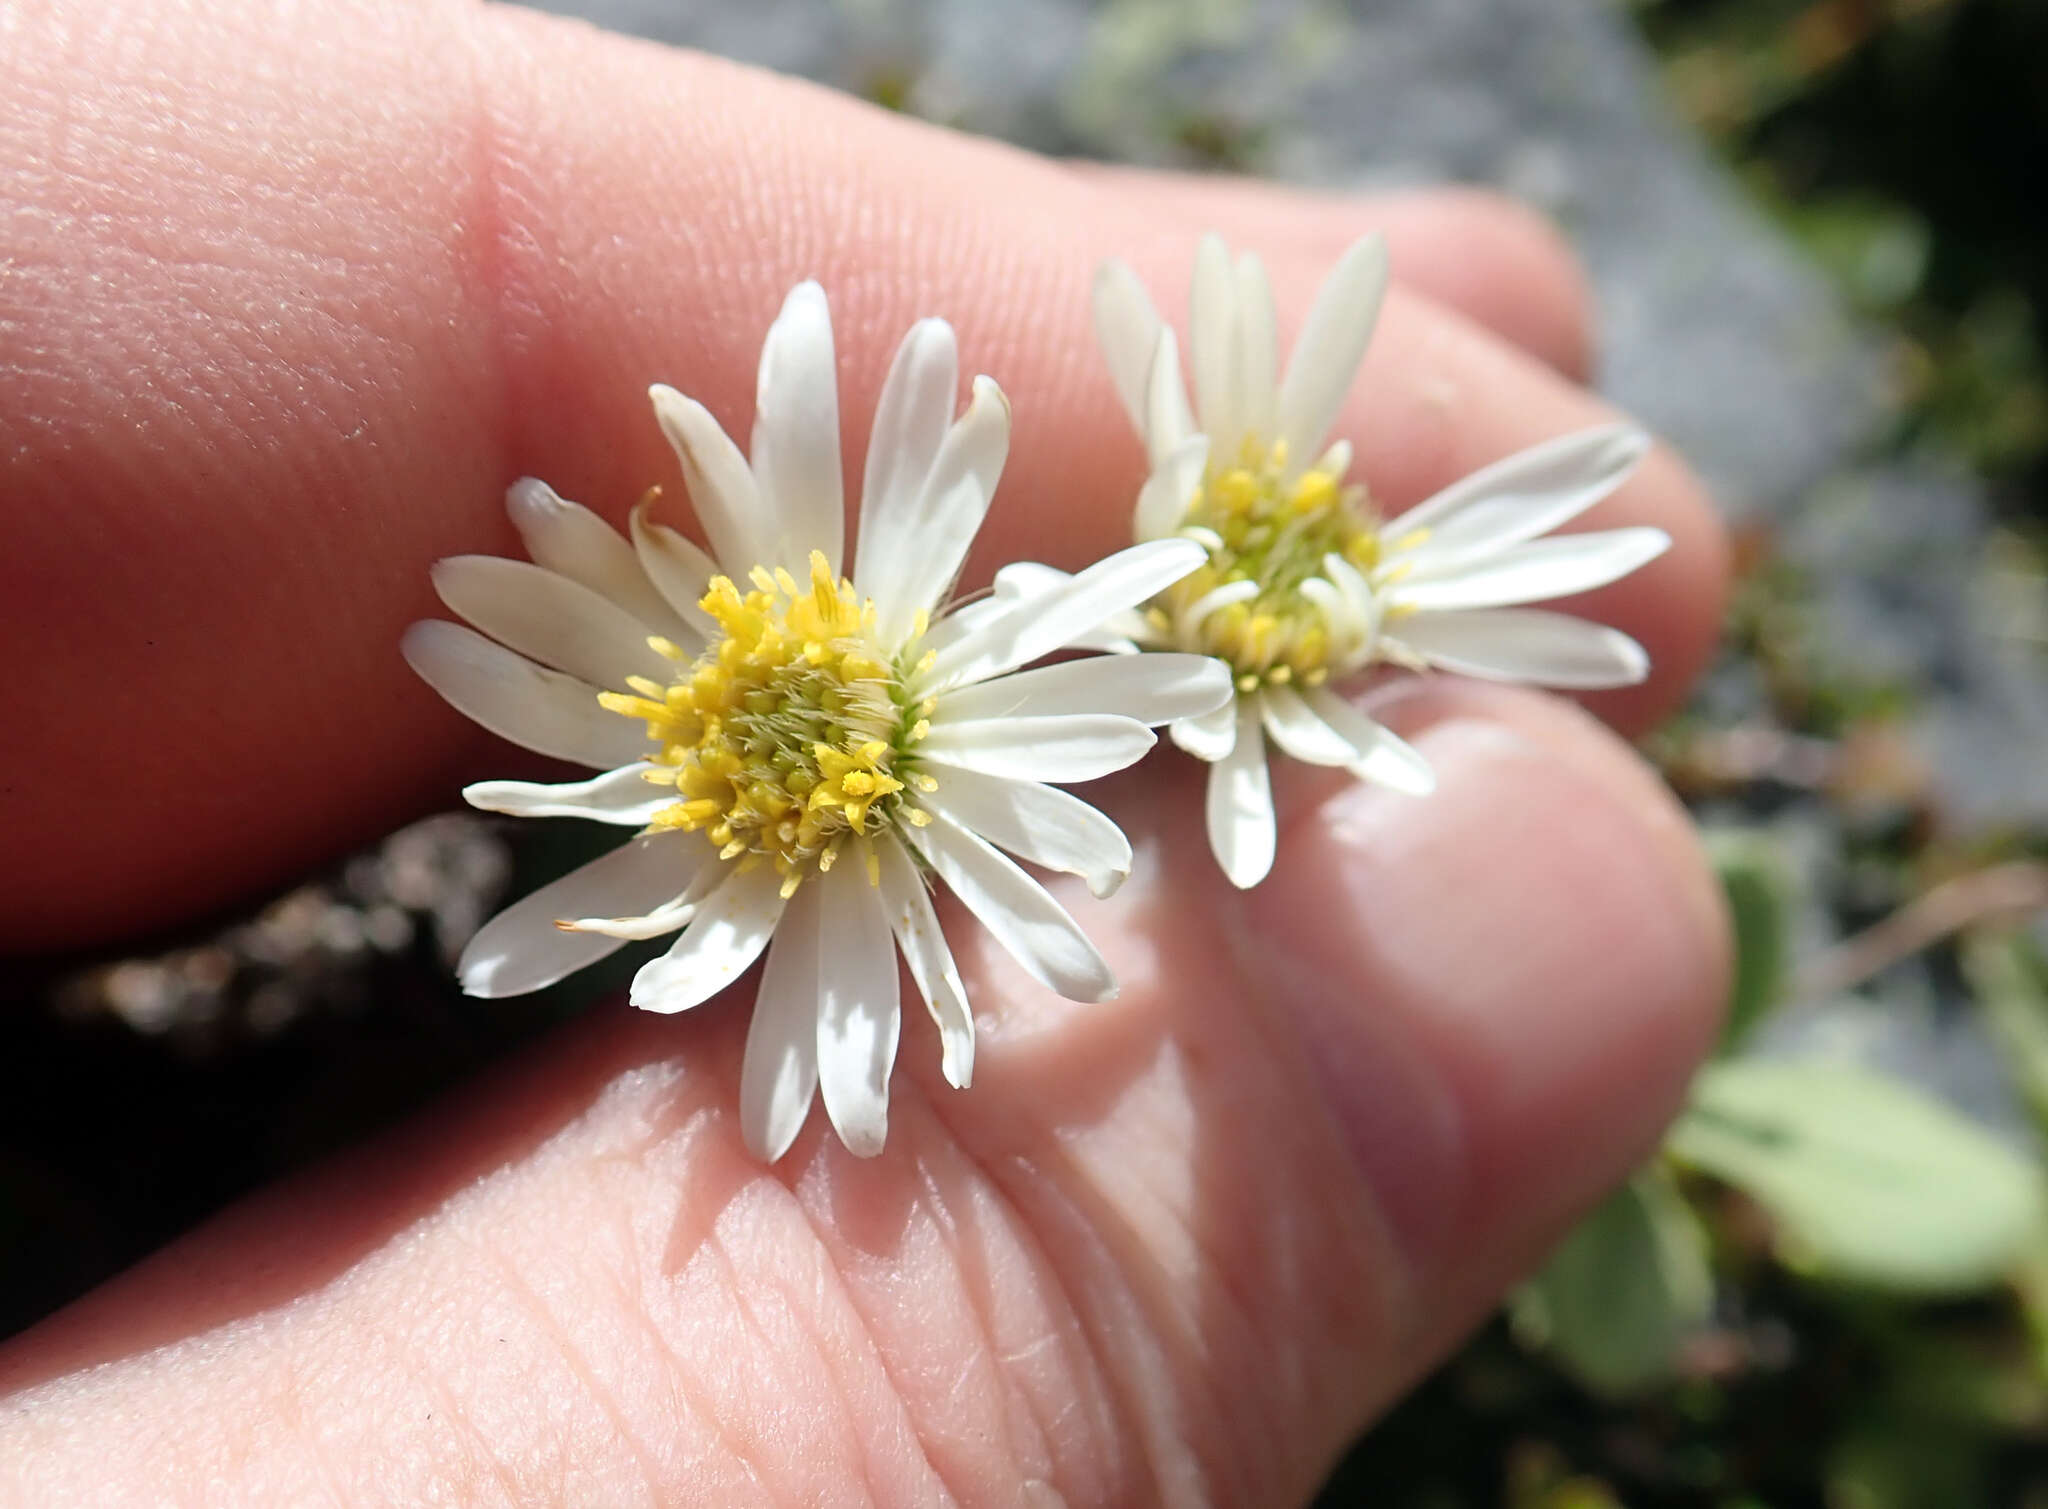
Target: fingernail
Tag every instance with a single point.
(1501, 986)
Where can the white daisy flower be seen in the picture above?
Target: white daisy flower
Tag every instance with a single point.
(798, 751)
(1305, 582)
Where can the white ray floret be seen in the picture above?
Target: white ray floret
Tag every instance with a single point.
(802, 749)
(1303, 581)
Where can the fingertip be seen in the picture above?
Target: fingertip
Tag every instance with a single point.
(1503, 988)
(1506, 266)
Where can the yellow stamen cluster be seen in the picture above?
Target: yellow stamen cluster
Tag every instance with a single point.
(790, 733)
(1263, 526)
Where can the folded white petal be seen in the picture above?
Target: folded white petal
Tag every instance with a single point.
(539, 709)
(1296, 728)
(1164, 499)
(623, 797)
(1210, 736)
(1127, 326)
(1039, 823)
(569, 539)
(1213, 344)
(924, 948)
(1153, 689)
(521, 949)
(1017, 911)
(680, 571)
(1072, 747)
(548, 618)
(1034, 626)
(705, 873)
(916, 563)
(1384, 758)
(730, 928)
(780, 1070)
(859, 1018)
(1554, 567)
(1168, 421)
(911, 418)
(1258, 350)
(795, 449)
(1526, 644)
(723, 492)
(1243, 833)
(1524, 495)
(1331, 345)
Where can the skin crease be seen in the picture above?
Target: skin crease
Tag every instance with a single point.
(290, 298)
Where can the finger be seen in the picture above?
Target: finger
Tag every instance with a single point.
(1174, 1248)
(374, 261)
(1485, 256)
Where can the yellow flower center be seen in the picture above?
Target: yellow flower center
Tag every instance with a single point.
(790, 732)
(1273, 531)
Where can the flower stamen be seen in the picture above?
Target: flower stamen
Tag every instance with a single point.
(1254, 602)
(790, 732)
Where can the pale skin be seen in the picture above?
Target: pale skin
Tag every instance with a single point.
(288, 300)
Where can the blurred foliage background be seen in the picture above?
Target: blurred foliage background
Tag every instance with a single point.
(1831, 1290)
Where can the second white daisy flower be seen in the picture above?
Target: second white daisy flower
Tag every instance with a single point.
(1304, 582)
(800, 751)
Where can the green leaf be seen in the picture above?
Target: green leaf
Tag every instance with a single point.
(1759, 891)
(2003, 971)
(1623, 1290)
(1869, 1179)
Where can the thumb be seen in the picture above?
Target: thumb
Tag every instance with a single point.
(1176, 1248)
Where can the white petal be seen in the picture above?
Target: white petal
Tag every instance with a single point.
(1527, 494)
(1527, 644)
(521, 949)
(795, 448)
(619, 796)
(1164, 499)
(1295, 727)
(569, 539)
(1242, 830)
(1384, 758)
(680, 571)
(1017, 911)
(1212, 344)
(1127, 326)
(698, 862)
(722, 488)
(1168, 422)
(548, 618)
(931, 962)
(911, 418)
(1258, 350)
(1115, 635)
(859, 1019)
(1331, 345)
(1153, 689)
(913, 563)
(1043, 824)
(1075, 747)
(539, 709)
(1554, 567)
(1035, 626)
(730, 928)
(780, 1070)
(1208, 737)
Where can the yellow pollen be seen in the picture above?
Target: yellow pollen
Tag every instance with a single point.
(788, 732)
(1274, 530)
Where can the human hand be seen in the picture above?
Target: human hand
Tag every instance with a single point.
(291, 298)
